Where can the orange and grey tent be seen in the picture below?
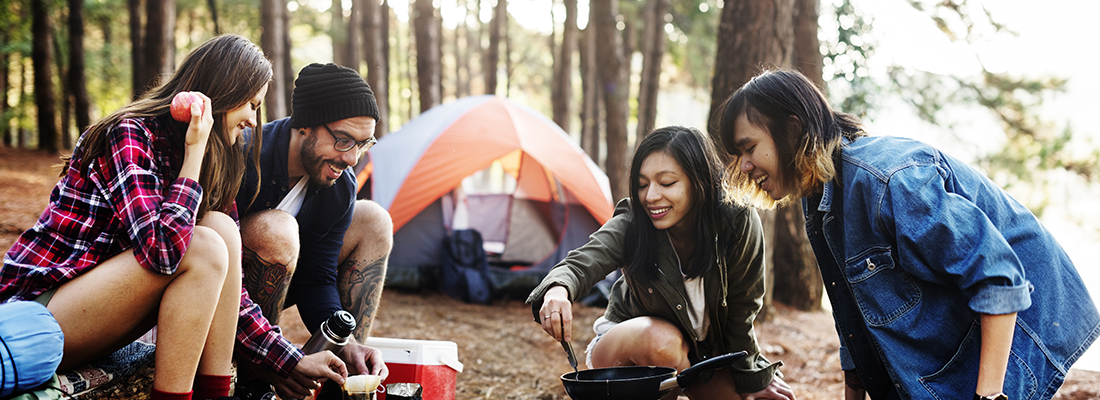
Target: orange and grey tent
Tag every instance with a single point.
(555, 196)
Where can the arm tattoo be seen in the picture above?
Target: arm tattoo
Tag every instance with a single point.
(360, 287)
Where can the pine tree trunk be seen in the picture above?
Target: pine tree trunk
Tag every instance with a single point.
(590, 109)
(377, 69)
(609, 54)
(351, 35)
(5, 69)
(160, 40)
(653, 50)
(137, 49)
(289, 74)
(65, 133)
(563, 68)
(797, 281)
(42, 57)
(271, 39)
(77, 83)
(492, 54)
(337, 31)
(751, 35)
(428, 68)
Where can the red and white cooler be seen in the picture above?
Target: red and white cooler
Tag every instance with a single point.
(431, 363)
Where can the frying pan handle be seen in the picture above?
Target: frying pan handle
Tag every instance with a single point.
(691, 374)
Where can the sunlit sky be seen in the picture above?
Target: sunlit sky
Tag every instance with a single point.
(1054, 37)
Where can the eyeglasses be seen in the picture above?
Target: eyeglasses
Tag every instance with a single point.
(343, 144)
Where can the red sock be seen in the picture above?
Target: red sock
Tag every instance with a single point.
(211, 387)
(159, 395)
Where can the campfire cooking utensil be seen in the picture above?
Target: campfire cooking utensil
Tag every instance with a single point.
(638, 382)
(568, 348)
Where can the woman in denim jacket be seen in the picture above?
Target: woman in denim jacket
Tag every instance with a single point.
(942, 285)
(693, 273)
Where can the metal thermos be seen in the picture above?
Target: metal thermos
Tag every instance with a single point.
(332, 335)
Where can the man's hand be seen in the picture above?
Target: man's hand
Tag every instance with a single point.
(308, 375)
(362, 359)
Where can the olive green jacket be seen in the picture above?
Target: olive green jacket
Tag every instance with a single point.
(734, 290)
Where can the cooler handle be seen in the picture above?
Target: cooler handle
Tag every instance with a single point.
(450, 361)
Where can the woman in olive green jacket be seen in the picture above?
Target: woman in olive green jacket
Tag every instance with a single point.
(693, 273)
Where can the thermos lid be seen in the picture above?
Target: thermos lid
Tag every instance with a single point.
(341, 323)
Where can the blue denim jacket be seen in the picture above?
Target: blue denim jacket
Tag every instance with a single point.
(914, 245)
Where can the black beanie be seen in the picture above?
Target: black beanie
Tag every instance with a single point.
(326, 93)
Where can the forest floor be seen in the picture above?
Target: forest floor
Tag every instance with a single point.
(505, 354)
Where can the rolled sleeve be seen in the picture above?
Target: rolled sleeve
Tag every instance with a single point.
(997, 300)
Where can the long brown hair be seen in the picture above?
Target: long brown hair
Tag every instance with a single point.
(229, 69)
(806, 130)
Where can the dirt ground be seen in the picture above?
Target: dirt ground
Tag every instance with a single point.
(505, 354)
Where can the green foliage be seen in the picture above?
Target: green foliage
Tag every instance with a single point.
(1034, 146)
(692, 41)
(847, 44)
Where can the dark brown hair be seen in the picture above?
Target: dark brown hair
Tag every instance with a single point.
(230, 70)
(694, 152)
(806, 130)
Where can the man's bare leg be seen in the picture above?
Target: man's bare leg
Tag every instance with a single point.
(270, 240)
(363, 259)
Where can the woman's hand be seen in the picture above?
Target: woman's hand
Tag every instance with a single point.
(202, 121)
(198, 133)
(776, 390)
(557, 313)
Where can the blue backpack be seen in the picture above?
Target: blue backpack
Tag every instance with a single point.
(465, 270)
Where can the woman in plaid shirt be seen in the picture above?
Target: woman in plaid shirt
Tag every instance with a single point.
(141, 231)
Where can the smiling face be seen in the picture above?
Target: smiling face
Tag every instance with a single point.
(319, 157)
(758, 159)
(665, 192)
(244, 116)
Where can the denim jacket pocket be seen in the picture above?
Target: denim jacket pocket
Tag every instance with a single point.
(883, 291)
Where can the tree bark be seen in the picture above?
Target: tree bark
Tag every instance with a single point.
(653, 50)
(137, 49)
(461, 86)
(609, 54)
(797, 281)
(65, 93)
(492, 54)
(352, 45)
(752, 35)
(377, 69)
(590, 110)
(5, 69)
(271, 39)
(213, 4)
(77, 83)
(160, 40)
(563, 68)
(42, 57)
(428, 67)
(337, 31)
(289, 74)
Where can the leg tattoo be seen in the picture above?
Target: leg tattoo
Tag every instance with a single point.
(360, 286)
(266, 282)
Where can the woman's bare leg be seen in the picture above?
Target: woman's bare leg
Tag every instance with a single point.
(217, 353)
(116, 300)
(654, 341)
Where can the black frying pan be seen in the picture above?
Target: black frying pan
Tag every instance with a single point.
(637, 382)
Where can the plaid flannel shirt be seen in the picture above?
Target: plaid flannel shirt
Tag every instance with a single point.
(132, 199)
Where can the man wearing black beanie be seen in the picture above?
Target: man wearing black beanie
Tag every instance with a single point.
(307, 241)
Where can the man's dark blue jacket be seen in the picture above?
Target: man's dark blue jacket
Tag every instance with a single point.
(324, 217)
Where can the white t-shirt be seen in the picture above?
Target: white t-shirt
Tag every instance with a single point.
(292, 203)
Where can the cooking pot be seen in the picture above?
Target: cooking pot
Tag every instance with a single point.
(638, 382)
